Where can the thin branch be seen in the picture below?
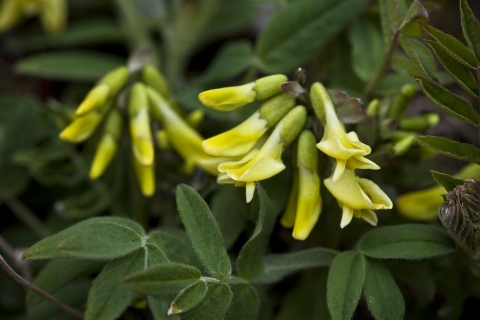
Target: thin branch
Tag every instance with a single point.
(386, 61)
(23, 213)
(37, 290)
(22, 266)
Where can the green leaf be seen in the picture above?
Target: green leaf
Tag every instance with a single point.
(188, 298)
(344, 284)
(453, 149)
(175, 244)
(446, 181)
(392, 82)
(215, 304)
(93, 201)
(300, 31)
(16, 114)
(165, 278)
(383, 296)
(305, 301)
(63, 271)
(245, 303)
(46, 248)
(86, 32)
(203, 232)
(390, 20)
(409, 241)
(458, 71)
(448, 101)
(231, 60)
(414, 21)
(103, 240)
(69, 65)
(470, 28)
(277, 266)
(159, 306)
(454, 47)
(365, 37)
(107, 298)
(229, 207)
(250, 259)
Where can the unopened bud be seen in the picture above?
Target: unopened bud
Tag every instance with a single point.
(195, 118)
(145, 177)
(419, 123)
(153, 78)
(53, 15)
(163, 140)
(140, 125)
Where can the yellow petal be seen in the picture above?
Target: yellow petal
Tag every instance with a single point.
(369, 216)
(95, 99)
(347, 216)
(288, 217)
(145, 177)
(142, 143)
(106, 149)
(81, 128)
(229, 98)
(421, 205)
(250, 190)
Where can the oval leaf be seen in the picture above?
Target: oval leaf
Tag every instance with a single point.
(277, 266)
(203, 232)
(458, 71)
(344, 284)
(410, 241)
(69, 65)
(446, 181)
(470, 27)
(188, 298)
(304, 22)
(454, 47)
(165, 278)
(448, 101)
(453, 149)
(245, 303)
(250, 259)
(383, 296)
(415, 18)
(214, 306)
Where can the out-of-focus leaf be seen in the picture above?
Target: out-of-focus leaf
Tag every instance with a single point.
(159, 306)
(409, 241)
(74, 294)
(352, 111)
(390, 19)
(454, 47)
(306, 301)
(277, 266)
(470, 27)
(344, 284)
(16, 114)
(91, 202)
(343, 76)
(458, 71)
(231, 60)
(415, 18)
(446, 181)
(103, 240)
(403, 65)
(87, 32)
(250, 259)
(392, 82)
(300, 26)
(453, 149)
(58, 273)
(46, 248)
(365, 37)
(245, 303)
(383, 296)
(448, 101)
(229, 207)
(188, 298)
(108, 297)
(214, 306)
(203, 231)
(69, 65)
(164, 278)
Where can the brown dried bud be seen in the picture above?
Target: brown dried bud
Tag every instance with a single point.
(460, 215)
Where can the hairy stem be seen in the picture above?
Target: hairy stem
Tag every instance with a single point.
(37, 290)
(386, 61)
(28, 217)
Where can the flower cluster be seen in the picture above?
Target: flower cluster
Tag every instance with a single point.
(52, 13)
(148, 100)
(259, 141)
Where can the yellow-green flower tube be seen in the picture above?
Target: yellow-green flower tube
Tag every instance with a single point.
(140, 132)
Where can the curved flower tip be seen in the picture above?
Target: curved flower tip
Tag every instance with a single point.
(145, 177)
(346, 148)
(357, 197)
(229, 98)
(421, 205)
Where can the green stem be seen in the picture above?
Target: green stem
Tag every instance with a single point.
(386, 61)
(37, 290)
(28, 217)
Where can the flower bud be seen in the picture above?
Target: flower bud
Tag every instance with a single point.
(145, 177)
(419, 123)
(195, 118)
(163, 140)
(10, 15)
(53, 15)
(153, 78)
(140, 125)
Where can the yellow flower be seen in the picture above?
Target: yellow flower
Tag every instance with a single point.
(305, 203)
(183, 138)
(346, 148)
(423, 205)
(230, 98)
(267, 161)
(140, 132)
(241, 139)
(357, 197)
